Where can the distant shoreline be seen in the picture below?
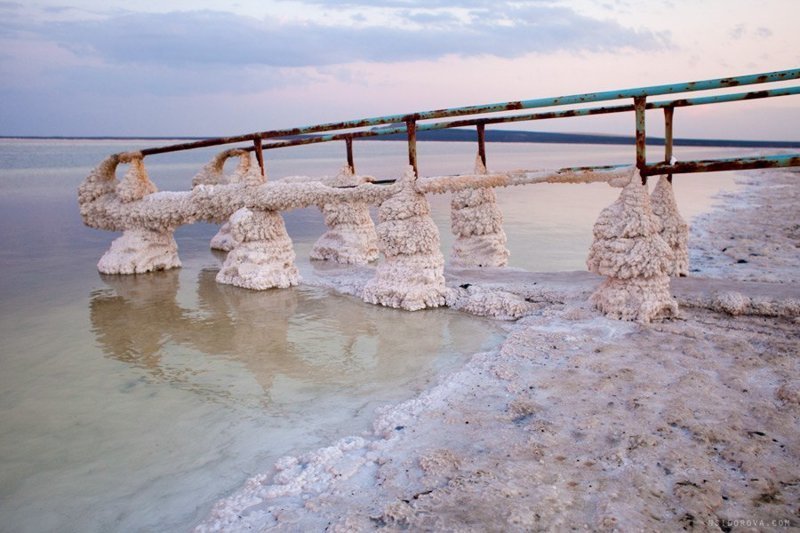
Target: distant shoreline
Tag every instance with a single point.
(461, 135)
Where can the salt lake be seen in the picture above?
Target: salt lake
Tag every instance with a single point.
(135, 402)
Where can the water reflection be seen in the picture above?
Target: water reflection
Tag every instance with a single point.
(295, 343)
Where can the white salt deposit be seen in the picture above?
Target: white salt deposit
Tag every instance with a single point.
(674, 230)
(629, 250)
(351, 236)
(412, 275)
(576, 422)
(212, 174)
(263, 257)
(477, 223)
(136, 184)
(140, 250)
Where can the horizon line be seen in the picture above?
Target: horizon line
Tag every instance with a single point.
(458, 135)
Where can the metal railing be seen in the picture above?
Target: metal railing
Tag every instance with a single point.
(408, 124)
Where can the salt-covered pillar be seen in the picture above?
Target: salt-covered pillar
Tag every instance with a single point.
(412, 275)
(674, 229)
(351, 236)
(139, 249)
(629, 250)
(263, 257)
(213, 174)
(477, 224)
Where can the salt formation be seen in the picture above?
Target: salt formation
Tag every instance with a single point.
(477, 224)
(263, 257)
(136, 184)
(212, 174)
(674, 230)
(138, 250)
(412, 275)
(351, 237)
(629, 250)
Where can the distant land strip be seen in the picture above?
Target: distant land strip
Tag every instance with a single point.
(498, 136)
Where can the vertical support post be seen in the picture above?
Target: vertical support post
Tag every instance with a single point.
(482, 142)
(639, 103)
(411, 128)
(259, 152)
(349, 142)
(668, 115)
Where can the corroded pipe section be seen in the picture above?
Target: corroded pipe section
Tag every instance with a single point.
(641, 137)
(669, 114)
(653, 90)
(716, 165)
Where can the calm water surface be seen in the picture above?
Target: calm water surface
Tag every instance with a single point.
(134, 402)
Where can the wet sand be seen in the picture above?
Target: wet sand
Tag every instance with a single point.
(581, 422)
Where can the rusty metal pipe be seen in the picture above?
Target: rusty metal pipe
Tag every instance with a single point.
(493, 108)
(641, 136)
(259, 152)
(350, 162)
(786, 91)
(411, 128)
(482, 142)
(715, 165)
(668, 116)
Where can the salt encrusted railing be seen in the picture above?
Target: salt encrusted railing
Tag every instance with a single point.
(640, 240)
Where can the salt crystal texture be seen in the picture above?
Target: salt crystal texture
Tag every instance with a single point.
(477, 223)
(212, 174)
(630, 251)
(412, 275)
(263, 257)
(136, 184)
(351, 237)
(138, 251)
(674, 230)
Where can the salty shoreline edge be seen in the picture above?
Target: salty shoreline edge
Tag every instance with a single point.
(577, 420)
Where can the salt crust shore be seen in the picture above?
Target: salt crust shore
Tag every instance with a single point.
(582, 422)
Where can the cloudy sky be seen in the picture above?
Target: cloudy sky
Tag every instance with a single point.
(203, 67)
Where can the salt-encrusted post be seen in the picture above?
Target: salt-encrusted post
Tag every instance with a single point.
(139, 249)
(629, 250)
(212, 174)
(263, 257)
(412, 275)
(674, 229)
(477, 223)
(351, 237)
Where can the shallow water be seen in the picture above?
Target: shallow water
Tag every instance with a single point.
(132, 403)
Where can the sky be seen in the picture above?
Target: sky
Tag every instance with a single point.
(208, 68)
